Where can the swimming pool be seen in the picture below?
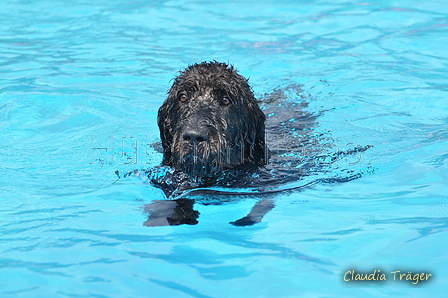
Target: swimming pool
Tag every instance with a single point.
(80, 86)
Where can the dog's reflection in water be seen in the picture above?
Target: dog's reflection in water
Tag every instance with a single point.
(180, 211)
(171, 213)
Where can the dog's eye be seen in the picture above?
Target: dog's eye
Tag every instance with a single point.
(183, 97)
(225, 100)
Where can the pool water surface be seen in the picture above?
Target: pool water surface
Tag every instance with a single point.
(80, 86)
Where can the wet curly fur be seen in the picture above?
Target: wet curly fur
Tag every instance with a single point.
(211, 122)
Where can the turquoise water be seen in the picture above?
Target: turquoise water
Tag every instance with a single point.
(80, 85)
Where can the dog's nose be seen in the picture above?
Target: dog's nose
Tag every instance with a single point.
(195, 134)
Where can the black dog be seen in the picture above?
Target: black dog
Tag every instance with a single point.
(213, 134)
(211, 122)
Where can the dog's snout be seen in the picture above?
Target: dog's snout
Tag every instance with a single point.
(195, 134)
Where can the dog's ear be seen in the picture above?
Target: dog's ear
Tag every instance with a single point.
(259, 149)
(165, 128)
(255, 126)
(252, 124)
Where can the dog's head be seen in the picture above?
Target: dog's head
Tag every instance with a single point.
(211, 122)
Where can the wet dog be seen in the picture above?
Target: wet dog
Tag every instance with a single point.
(210, 122)
(213, 135)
